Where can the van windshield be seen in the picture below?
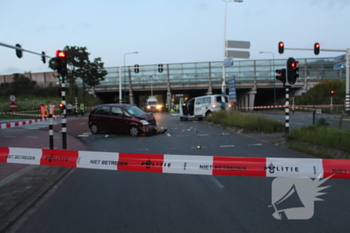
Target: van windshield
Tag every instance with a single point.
(134, 110)
(152, 103)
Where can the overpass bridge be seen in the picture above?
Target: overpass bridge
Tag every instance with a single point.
(255, 80)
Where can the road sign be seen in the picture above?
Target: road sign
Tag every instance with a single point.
(237, 54)
(339, 58)
(228, 61)
(339, 66)
(232, 89)
(237, 44)
(12, 98)
(13, 105)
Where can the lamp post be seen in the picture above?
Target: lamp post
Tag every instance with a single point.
(124, 69)
(223, 86)
(274, 80)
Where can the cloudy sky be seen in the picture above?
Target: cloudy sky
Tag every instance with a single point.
(167, 31)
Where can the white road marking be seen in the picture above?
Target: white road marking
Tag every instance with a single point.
(227, 146)
(106, 136)
(257, 144)
(83, 135)
(216, 182)
(225, 134)
(169, 135)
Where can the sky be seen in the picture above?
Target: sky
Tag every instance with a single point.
(168, 31)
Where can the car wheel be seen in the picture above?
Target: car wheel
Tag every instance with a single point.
(134, 131)
(208, 114)
(94, 129)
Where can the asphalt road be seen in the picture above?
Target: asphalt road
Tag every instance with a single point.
(116, 201)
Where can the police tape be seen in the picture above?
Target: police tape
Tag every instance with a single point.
(305, 107)
(20, 123)
(181, 164)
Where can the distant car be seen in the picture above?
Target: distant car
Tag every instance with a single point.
(123, 118)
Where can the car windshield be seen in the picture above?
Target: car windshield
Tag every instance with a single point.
(133, 110)
(152, 103)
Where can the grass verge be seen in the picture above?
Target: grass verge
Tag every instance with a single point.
(248, 123)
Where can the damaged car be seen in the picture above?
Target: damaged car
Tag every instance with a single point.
(122, 118)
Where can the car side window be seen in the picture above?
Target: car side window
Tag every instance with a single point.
(199, 101)
(116, 111)
(102, 111)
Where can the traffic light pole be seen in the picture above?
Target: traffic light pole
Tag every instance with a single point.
(64, 120)
(287, 110)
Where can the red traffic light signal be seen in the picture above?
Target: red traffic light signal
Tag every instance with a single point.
(280, 47)
(61, 54)
(61, 62)
(292, 71)
(317, 48)
(281, 75)
(332, 92)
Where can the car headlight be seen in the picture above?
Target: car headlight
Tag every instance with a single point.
(159, 106)
(144, 122)
(148, 107)
(214, 106)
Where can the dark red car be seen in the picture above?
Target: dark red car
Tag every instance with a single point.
(123, 118)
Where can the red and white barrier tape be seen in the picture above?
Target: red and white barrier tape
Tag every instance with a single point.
(306, 107)
(20, 123)
(181, 164)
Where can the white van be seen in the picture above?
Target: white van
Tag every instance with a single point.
(200, 107)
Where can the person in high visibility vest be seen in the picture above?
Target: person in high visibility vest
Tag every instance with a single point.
(82, 109)
(46, 110)
(42, 110)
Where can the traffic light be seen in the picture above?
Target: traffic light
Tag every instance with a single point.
(280, 47)
(43, 57)
(317, 48)
(136, 68)
(281, 75)
(62, 107)
(160, 68)
(61, 62)
(292, 71)
(18, 51)
(332, 92)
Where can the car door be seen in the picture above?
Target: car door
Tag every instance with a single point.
(198, 108)
(101, 118)
(117, 121)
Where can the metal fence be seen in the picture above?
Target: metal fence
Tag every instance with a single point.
(201, 72)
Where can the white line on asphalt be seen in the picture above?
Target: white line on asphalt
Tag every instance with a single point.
(225, 134)
(87, 133)
(83, 135)
(106, 136)
(169, 135)
(216, 182)
(227, 145)
(257, 144)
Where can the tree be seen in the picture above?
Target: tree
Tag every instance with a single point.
(93, 74)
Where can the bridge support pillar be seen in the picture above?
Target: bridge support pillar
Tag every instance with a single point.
(250, 99)
(168, 100)
(131, 98)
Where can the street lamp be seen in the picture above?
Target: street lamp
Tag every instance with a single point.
(223, 86)
(274, 80)
(124, 69)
